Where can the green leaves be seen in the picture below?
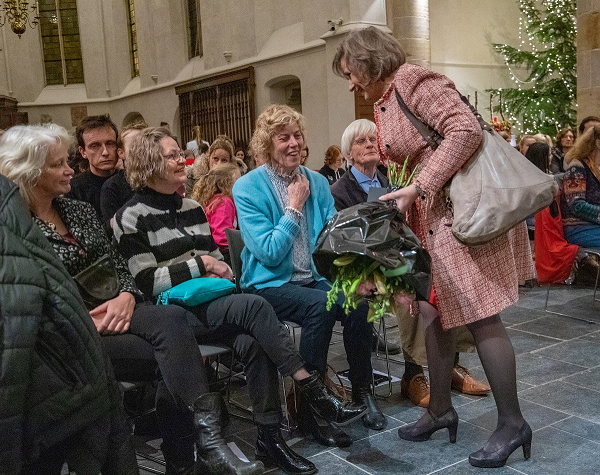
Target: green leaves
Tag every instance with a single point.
(397, 179)
(350, 273)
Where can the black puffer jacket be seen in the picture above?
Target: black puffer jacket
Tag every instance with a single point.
(55, 381)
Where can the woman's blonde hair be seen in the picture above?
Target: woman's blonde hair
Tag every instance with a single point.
(23, 153)
(543, 138)
(145, 162)
(272, 119)
(125, 131)
(370, 53)
(584, 146)
(221, 143)
(218, 180)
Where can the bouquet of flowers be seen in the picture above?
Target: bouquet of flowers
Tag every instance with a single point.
(368, 251)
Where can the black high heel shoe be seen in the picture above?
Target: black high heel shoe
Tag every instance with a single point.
(447, 419)
(496, 459)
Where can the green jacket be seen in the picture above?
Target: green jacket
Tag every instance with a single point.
(55, 380)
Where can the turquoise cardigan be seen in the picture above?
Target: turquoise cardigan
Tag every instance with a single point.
(268, 234)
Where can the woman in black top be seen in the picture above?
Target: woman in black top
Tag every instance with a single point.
(332, 170)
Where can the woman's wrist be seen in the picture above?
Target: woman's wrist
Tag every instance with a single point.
(293, 214)
(419, 191)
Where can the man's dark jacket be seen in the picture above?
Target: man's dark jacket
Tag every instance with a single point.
(56, 384)
(348, 192)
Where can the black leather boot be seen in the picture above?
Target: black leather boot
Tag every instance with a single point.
(373, 418)
(213, 456)
(271, 447)
(325, 433)
(314, 394)
(179, 455)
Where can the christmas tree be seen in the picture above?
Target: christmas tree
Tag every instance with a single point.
(544, 100)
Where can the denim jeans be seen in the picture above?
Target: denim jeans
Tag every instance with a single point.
(305, 304)
(584, 235)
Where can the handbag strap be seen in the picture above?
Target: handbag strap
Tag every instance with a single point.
(429, 134)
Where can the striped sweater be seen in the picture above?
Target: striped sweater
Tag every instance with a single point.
(163, 238)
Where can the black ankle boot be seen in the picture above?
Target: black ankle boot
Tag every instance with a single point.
(325, 433)
(373, 418)
(213, 456)
(271, 447)
(314, 394)
(179, 455)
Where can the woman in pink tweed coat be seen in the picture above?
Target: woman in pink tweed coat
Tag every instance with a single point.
(472, 284)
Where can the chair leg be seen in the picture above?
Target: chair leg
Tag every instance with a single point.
(591, 322)
(382, 332)
(596, 283)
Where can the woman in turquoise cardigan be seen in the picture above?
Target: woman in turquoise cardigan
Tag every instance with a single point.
(282, 206)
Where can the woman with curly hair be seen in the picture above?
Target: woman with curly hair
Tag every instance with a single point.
(213, 192)
(332, 168)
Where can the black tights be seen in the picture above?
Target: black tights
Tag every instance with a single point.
(498, 359)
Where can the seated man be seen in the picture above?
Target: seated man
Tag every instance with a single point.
(97, 141)
(282, 206)
(359, 146)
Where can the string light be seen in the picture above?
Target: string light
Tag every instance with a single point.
(546, 46)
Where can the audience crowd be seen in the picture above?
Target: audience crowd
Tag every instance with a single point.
(126, 203)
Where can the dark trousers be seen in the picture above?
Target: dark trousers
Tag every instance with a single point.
(306, 305)
(161, 344)
(249, 325)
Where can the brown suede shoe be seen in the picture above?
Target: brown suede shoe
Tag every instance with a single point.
(463, 382)
(417, 389)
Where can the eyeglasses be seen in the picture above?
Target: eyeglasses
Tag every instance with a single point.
(363, 140)
(175, 156)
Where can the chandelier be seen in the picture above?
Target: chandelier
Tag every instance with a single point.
(17, 13)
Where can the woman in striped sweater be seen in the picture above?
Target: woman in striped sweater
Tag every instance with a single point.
(166, 240)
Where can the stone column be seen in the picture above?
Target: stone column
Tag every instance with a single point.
(588, 58)
(409, 22)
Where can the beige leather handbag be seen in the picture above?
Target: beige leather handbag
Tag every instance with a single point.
(495, 189)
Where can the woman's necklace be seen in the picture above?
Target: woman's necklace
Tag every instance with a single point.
(286, 177)
(51, 221)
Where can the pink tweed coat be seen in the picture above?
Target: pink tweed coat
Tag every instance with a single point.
(474, 282)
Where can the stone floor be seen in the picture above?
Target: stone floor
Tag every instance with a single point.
(558, 373)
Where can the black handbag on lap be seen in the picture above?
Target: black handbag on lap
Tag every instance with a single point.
(99, 282)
